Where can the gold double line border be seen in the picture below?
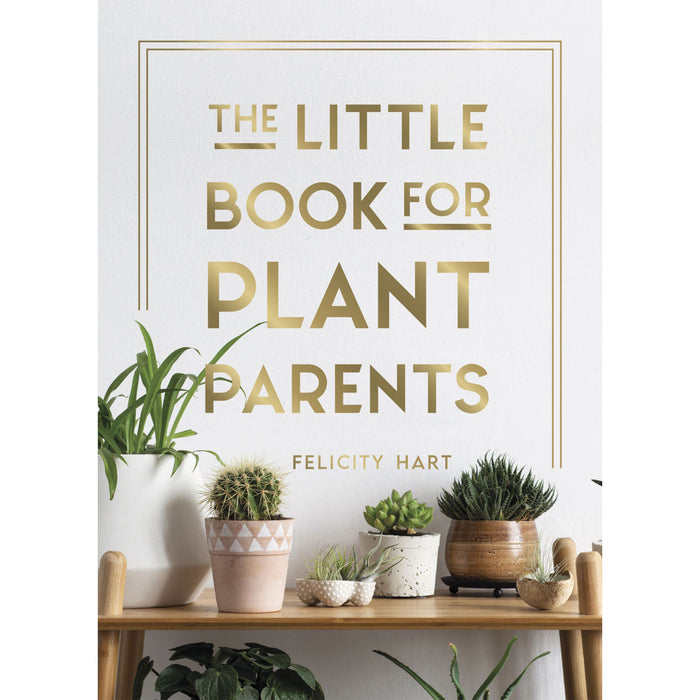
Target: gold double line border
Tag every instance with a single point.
(554, 46)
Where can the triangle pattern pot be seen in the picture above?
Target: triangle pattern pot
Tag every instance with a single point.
(249, 561)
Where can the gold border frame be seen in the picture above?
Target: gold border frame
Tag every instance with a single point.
(552, 45)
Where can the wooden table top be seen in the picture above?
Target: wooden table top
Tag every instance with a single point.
(477, 610)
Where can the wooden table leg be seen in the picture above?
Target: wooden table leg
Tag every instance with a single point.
(589, 569)
(110, 600)
(564, 554)
(130, 653)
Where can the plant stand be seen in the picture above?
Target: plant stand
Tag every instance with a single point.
(579, 620)
(454, 583)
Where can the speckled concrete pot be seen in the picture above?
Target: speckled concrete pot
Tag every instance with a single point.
(545, 596)
(333, 594)
(414, 575)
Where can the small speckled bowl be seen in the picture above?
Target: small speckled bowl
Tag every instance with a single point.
(333, 594)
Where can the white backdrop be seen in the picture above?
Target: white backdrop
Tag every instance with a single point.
(510, 312)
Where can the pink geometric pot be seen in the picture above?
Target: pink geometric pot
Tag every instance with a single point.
(249, 560)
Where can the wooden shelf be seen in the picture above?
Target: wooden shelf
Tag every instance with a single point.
(478, 610)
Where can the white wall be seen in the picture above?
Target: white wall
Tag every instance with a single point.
(514, 420)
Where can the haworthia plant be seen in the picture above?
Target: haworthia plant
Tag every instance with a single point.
(497, 489)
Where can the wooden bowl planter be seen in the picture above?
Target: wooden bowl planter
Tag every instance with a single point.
(548, 594)
(414, 575)
(489, 552)
(249, 561)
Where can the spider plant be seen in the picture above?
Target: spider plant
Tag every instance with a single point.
(155, 405)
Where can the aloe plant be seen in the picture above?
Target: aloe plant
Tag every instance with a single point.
(155, 405)
(483, 692)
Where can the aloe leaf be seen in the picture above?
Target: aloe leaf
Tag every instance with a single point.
(511, 687)
(454, 674)
(479, 693)
(422, 683)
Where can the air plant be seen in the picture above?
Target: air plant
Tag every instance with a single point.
(333, 563)
(541, 566)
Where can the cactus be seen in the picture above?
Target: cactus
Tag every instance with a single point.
(246, 490)
(398, 514)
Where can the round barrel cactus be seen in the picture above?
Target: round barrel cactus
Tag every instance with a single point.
(247, 490)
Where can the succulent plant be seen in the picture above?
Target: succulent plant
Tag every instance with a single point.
(249, 489)
(398, 514)
(497, 489)
(333, 563)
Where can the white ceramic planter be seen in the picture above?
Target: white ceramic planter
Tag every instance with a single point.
(333, 594)
(155, 521)
(414, 575)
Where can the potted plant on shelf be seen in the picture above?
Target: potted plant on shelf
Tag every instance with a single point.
(147, 485)
(335, 577)
(546, 585)
(492, 535)
(249, 541)
(257, 671)
(398, 519)
(482, 692)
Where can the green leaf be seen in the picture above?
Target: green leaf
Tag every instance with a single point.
(287, 685)
(200, 652)
(267, 694)
(173, 679)
(511, 687)
(247, 693)
(142, 670)
(480, 693)
(305, 674)
(218, 684)
(454, 674)
(117, 382)
(275, 656)
(422, 683)
(110, 465)
(200, 377)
